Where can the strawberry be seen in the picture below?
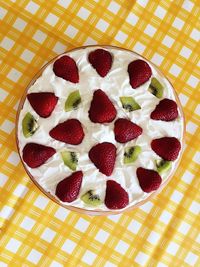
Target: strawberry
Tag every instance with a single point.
(139, 72)
(149, 180)
(166, 110)
(35, 154)
(68, 189)
(69, 132)
(103, 156)
(125, 130)
(101, 61)
(66, 68)
(101, 109)
(116, 197)
(166, 147)
(43, 103)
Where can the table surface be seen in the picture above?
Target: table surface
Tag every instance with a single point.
(34, 230)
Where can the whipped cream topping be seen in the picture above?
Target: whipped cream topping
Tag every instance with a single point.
(115, 84)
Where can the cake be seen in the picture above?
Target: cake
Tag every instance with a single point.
(100, 129)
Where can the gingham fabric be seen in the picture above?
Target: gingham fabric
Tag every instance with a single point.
(34, 230)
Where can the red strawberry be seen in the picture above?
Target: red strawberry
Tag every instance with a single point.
(125, 130)
(149, 180)
(116, 197)
(166, 110)
(103, 156)
(68, 189)
(35, 154)
(66, 68)
(166, 147)
(43, 103)
(69, 132)
(101, 109)
(139, 72)
(101, 61)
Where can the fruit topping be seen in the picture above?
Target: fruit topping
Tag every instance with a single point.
(29, 125)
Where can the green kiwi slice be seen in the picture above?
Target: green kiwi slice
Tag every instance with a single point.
(129, 103)
(131, 154)
(29, 125)
(91, 198)
(73, 101)
(163, 165)
(156, 88)
(70, 159)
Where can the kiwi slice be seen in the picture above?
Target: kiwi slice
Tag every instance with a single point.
(73, 100)
(70, 159)
(91, 198)
(156, 88)
(131, 154)
(29, 125)
(129, 103)
(163, 165)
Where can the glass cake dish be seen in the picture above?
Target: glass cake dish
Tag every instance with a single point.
(100, 130)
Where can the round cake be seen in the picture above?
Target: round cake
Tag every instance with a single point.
(100, 129)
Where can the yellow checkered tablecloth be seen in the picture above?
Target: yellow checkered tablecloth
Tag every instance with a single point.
(34, 230)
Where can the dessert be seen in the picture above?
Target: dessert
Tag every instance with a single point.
(100, 129)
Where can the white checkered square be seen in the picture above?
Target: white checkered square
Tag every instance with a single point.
(157, 59)
(64, 3)
(153, 238)
(109, 264)
(134, 226)
(188, 5)
(3, 13)
(176, 196)
(3, 95)
(6, 212)
(150, 30)
(195, 35)
(59, 48)
(122, 247)
(102, 25)
(168, 41)
(115, 218)
(19, 24)
(32, 7)
(139, 47)
(132, 19)
(187, 177)
(178, 23)
(147, 207)
(27, 223)
(39, 36)
(48, 235)
(3, 264)
(89, 257)
(14, 75)
(183, 98)
(102, 236)
(13, 158)
(3, 179)
(56, 264)
(71, 31)
(196, 158)
(191, 259)
(61, 214)
(121, 37)
(141, 259)
(185, 52)
(27, 55)
(160, 12)
(68, 246)
(175, 70)
(195, 208)
(83, 13)
(172, 248)
(34, 256)
(51, 19)
(20, 191)
(193, 81)
(82, 225)
(197, 109)
(90, 41)
(13, 245)
(165, 217)
(114, 7)
(7, 126)
(191, 127)
(41, 202)
(7, 43)
(184, 228)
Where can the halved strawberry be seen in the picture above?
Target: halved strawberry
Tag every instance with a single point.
(166, 110)
(66, 68)
(166, 147)
(68, 189)
(116, 197)
(103, 156)
(139, 72)
(101, 61)
(101, 109)
(125, 130)
(69, 132)
(149, 180)
(35, 154)
(43, 103)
